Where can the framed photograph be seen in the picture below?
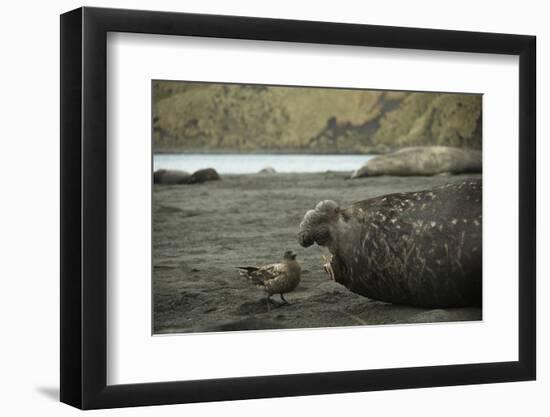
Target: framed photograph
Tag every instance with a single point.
(260, 208)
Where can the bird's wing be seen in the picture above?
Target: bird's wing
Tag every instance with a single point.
(269, 272)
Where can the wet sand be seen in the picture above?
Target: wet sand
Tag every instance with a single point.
(202, 232)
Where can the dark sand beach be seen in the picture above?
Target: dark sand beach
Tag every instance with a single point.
(202, 232)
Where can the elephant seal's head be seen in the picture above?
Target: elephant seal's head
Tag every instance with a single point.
(316, 224)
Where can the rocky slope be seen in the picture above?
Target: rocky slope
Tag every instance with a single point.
(247, 118)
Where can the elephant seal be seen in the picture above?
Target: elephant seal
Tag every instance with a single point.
(173, 176)
(267, 170)
(422, 160)
(417, 248)
(203, 175)
(170, 177)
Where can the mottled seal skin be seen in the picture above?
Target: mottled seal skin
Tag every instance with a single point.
(419, 248)
(423, 160)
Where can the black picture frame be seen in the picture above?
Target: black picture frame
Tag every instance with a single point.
(84, 207)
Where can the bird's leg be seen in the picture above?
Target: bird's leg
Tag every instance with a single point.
(284, 299)
(268, 302)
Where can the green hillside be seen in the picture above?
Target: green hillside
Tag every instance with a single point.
(248, 118)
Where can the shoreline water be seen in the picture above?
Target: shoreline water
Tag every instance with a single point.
(289, 151)
(254, 163)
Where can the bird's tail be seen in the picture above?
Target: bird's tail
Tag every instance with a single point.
(248, 273)
(248, 269)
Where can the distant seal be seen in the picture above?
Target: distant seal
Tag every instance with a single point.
(423, 160)
(174, 176)
(418, 248)
(203, 175)
(267, 170)
(170, 177)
